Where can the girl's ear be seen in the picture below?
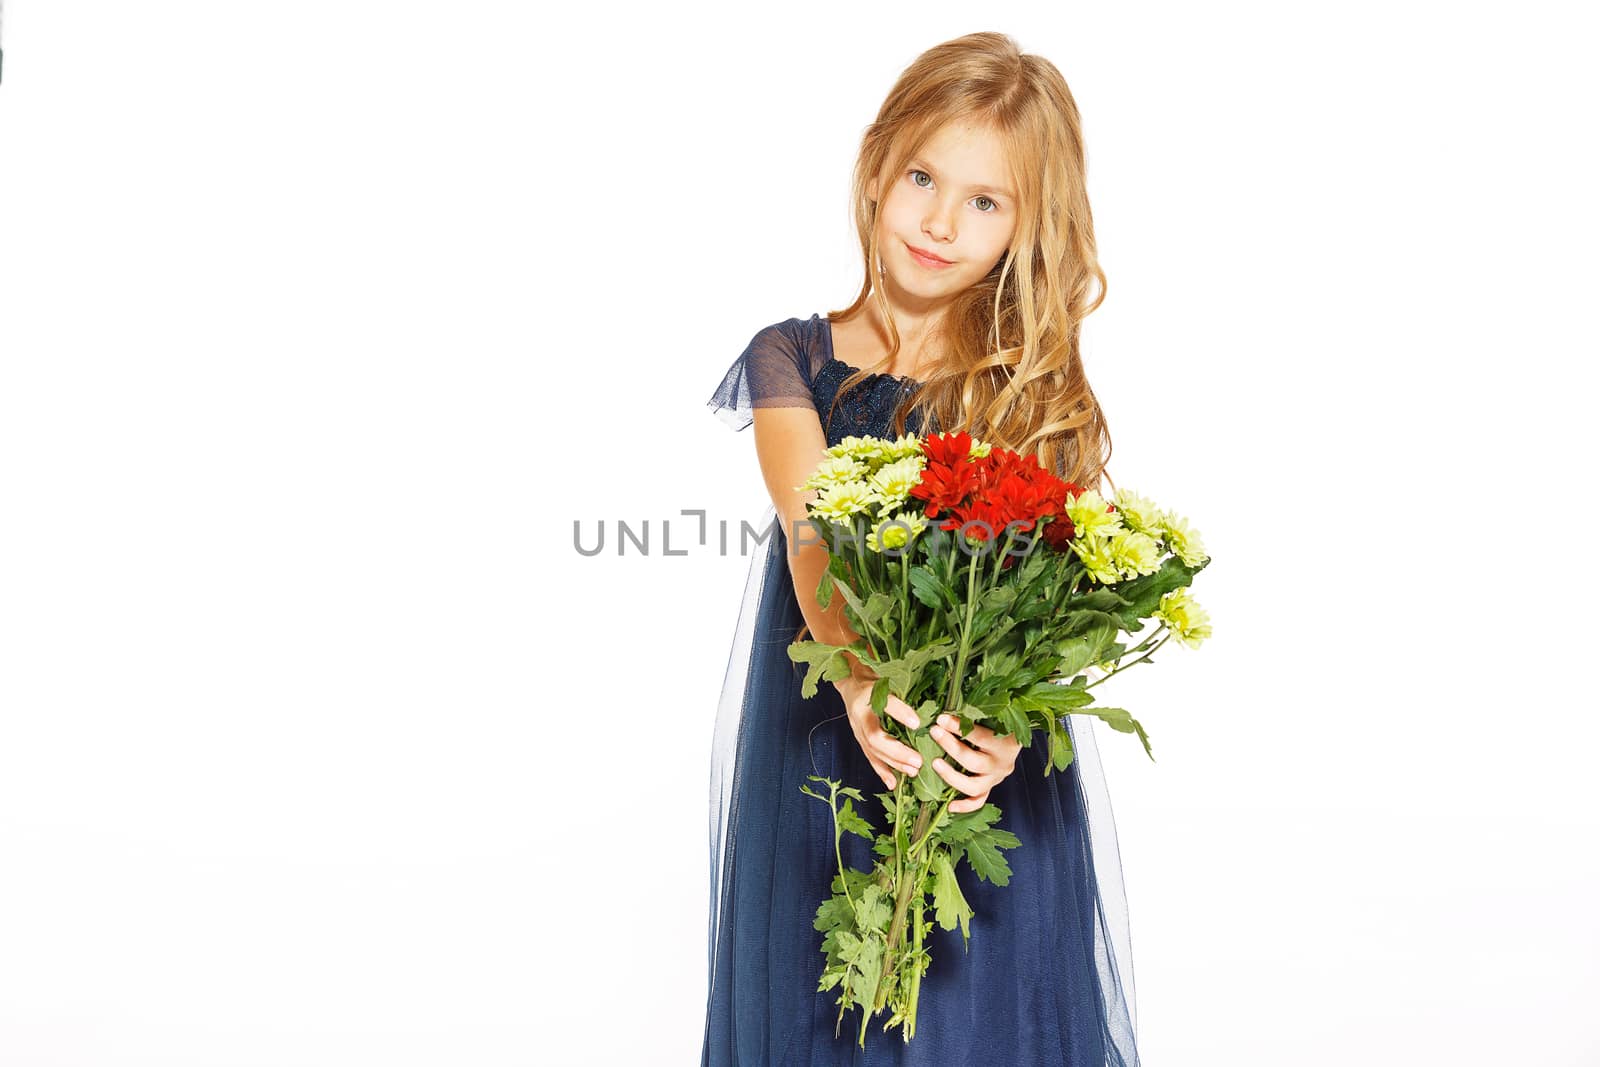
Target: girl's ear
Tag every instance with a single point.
(872, 189)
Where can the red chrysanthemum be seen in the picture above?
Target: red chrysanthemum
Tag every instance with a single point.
(948, 449)
(1003, 488)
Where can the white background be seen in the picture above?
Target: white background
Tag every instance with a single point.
(321, 323)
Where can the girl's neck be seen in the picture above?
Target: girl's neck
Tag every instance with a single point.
(920, 331)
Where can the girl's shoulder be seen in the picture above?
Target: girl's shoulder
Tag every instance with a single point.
(805, 340)
(778, 368)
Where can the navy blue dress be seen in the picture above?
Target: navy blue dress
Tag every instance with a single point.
(1047, 978)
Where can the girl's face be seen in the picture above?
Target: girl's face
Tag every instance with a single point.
(955, 201)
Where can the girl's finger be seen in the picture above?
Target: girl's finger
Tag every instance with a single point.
(976, 761)
(966, 784)
(898, 755)
(970, 803)
(979, 736)
(902, 712)
(895, 752)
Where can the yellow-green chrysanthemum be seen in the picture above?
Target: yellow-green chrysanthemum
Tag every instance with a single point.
(1098, 560)
(893, 482)
(1135, 553)
(1089, 515)
(1186, 619)
(908, 444)
(834, 470)
(979, 449)
(862, 448)
(1138, 513)
(1182, 540)
(840, 503)
(898, 531)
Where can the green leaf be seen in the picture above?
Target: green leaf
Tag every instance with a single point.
(856, 605)
(1060, 746)
(877, 606)
(949, 906)
(869, 968)
(872, 910)
(966, 823)
(825, 662)
(904, 674)
(1109, 601)
(1123, 720)
(852, 823)
(835, 913)
(983, 853)
(825, 588)
(887, 800)
(1052, 697)
(1015, 721)
(1143, 594)
(880, 695)
(855, 880)
(982, 850)
(1088, 623)
(927, 785)
(1080, 652)
(927, 587)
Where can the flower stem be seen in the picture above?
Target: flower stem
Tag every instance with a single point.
(953, 697)
(1124, 666)
(897, 922)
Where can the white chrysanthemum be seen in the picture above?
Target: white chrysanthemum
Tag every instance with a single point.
(898, 530)
(1182, 540)
(1089, 515)
(834, 470)
(979, 449)
(893, 482)
(1095, 552)
(840, 503)
(1138, 513)
(1135, 553)
(1187, 620)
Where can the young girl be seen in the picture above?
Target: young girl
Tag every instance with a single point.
(979, 247)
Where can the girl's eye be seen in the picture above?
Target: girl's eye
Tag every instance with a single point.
(993, 207)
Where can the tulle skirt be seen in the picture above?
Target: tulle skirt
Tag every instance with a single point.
(1047, 977)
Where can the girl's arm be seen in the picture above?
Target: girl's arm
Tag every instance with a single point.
(789, 445)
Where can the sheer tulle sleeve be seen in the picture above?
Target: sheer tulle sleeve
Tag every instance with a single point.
(772, 372)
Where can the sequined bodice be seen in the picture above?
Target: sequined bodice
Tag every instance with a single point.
(868, 408)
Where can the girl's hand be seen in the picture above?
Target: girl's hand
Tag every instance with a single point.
(884, 753)
(988, 755)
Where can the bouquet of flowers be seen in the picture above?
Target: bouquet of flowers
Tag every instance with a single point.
(983, 586)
